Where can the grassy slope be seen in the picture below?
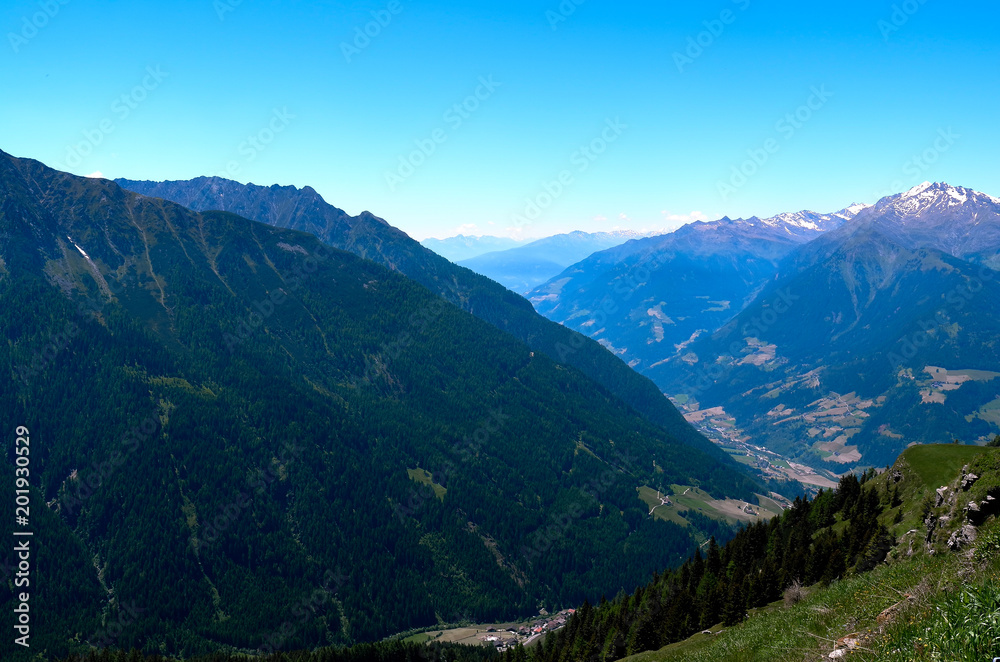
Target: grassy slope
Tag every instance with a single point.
(684, 498)
(937, 464)
(956, 611)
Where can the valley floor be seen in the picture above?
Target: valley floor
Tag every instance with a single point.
(721, 428)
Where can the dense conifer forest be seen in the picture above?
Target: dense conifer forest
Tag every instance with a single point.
(814, 541)
(236, 428)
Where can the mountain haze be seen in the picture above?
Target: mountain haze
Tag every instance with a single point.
(463, 247)
(525, 267)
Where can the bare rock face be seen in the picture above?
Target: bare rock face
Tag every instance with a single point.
(931, 524)
(962, 537)
(845, 645)
(941, 492)
(968, 480)
(973, 513)
(977, 513)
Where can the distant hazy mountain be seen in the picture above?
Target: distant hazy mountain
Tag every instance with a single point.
(464, 247)
(646, 299)
(229, 419)
(523, 268)
(879, 334)
(370, 237)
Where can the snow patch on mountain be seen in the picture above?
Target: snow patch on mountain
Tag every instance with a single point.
(850, 212)
(918, 190)
(810, 220)
(82, 252)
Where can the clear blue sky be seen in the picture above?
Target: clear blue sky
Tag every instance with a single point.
(897, 87)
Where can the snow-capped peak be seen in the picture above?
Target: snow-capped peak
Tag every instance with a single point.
(850, 212)
(938, 195)
(809, 220)
(917, 190)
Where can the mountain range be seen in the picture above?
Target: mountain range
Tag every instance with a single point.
(648, 297)
(836, 345)
(229, 419)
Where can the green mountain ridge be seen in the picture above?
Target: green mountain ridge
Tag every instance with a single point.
(223, 418)
(373, 238)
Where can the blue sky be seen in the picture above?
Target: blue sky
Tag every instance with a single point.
(514, 117)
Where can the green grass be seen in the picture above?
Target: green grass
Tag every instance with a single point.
(959, 621)
(987, 466)
(975, 375)
(954, 612)
(769, 504)
(938, 464)
(777, 634)
(419, 638)
(424, 477)
(669, 513)
(685, 498)
(990, 412)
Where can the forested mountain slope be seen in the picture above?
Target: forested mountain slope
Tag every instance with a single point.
(231, 428)
(373, 238)
(885, 566)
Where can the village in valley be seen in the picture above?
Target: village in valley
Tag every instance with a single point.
(500, 636)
